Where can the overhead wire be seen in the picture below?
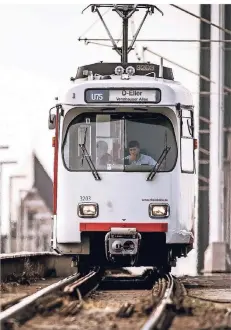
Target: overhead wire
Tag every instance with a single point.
(96, 21)
(167, 40)
(177, 64)
(88, 41)
(133, 34)
(226, 88)
(160, 40)
(208, 22)
(202, 19)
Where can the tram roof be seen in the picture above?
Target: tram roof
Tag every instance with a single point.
(108, 69)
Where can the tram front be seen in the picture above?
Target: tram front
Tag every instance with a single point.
(118, 191)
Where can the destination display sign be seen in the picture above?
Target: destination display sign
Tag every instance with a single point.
(122, 96)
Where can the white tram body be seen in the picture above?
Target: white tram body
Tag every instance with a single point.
(116, 212)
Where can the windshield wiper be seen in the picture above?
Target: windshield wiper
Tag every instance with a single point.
(88, 158)
(158, 164)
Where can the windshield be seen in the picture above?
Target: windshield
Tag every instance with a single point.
(119, 142)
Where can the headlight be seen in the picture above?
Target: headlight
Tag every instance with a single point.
(119, 70)
(130, 70)
(158, 210)
(88, 210)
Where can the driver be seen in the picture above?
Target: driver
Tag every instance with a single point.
(136, 158)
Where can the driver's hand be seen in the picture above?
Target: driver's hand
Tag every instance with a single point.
(132, 157)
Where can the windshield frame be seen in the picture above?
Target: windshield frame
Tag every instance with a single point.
(126, 168)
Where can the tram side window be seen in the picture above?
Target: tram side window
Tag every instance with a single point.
(187, 143)
(79, 132)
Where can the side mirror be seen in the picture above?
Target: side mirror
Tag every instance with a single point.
(51, 121)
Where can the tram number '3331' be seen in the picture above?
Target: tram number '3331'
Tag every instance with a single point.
(85, 198)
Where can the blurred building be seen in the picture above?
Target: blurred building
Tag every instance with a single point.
(31, 230)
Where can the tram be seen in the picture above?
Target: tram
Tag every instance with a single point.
(124, 163)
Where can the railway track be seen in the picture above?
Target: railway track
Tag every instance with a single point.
(145, 301)
(117, 301)
(100, 300)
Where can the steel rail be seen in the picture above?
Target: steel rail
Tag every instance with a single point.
(25, 254)
(25, 302)
(81, 281)
(80, 288)
(161, 308)
(214, 301)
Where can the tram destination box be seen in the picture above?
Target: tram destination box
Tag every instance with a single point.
(122, 95)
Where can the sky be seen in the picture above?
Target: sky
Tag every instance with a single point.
(40, 51)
